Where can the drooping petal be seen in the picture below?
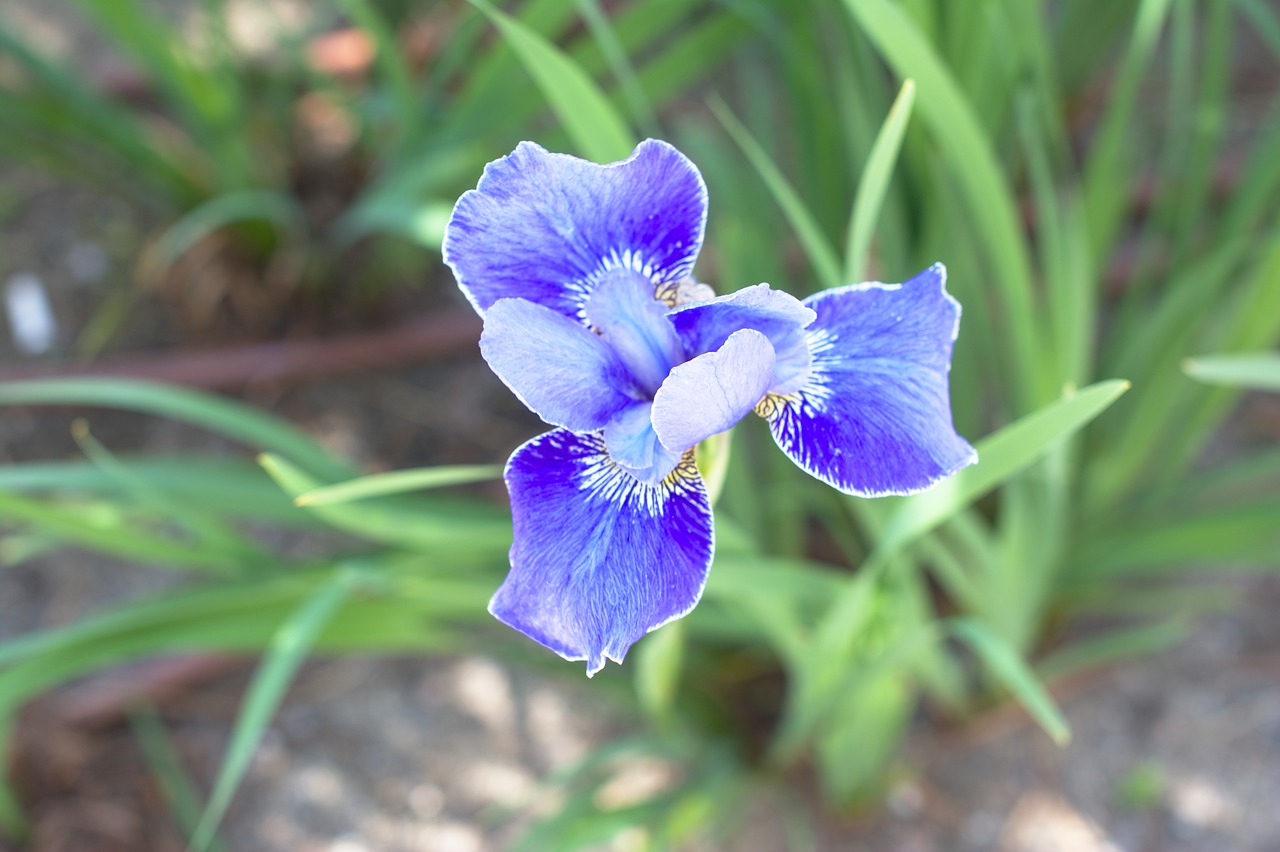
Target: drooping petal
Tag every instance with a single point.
(874, 417)
(704, 327)
(635, 325)
(563, 372)
(599, 559)
(632, 443)
(544, 227)
(713, 391)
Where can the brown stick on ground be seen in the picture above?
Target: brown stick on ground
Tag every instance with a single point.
(427, 338)
(107, 698)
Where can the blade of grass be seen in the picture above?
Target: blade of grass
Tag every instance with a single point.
(1113, 646)
(822, 258)
(1014, 674)
(397, 482)
(659, 662)
(276, 208)
(1107, 173)
(233, 420)
(110, 530)
(1000, 456)
(210, 533)
(392, 67)
(1264, 21)
(586, 114)
(874, 182)
(462, 532)
(1256, 370)
(224, 486)
(167, 770)
(956, 130)
(289, 647)
(642, 114)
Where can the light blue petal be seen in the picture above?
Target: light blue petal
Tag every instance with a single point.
(565, 373)
(599, 559)
(712, 392)
(545, 227)
(635, 325)
(634, 445)
(874, 418)
(704, 327)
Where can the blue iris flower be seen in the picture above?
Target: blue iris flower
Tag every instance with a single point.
(583, 275)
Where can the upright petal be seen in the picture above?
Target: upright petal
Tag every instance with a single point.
(633, 444)
(713, 391)
(874, 417)
(635, 325)
(705, 326)
(565, 373)
(599, 559)
(544, 227)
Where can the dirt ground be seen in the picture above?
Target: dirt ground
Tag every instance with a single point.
(1180, 752)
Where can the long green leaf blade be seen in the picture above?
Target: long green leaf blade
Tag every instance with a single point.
(289, 647)
(875, 181)
(1257, 370)
(587, 115)
(1014, 674)
(397, 482)
(821, 256)
(1000, 457)
(236, 421)
(944, 106)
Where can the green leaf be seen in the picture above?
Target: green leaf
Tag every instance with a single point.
(586, 114)
(108, 529)
(217, 213)
(875, 182)
(211, 534)
(1107, 174)
(1000, 456)
(460, 530)
(816, 248)
(1256, 370)
(1114, 645)
(1014, 674)
(234, 420)
(620, 65)
(289, 647)
(945, 108)
(659, 661)
(226, 486)
(167, 770)
(397, 482)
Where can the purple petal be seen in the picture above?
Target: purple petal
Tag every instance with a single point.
(566, 374)
(874, 418)
(635, 325)
(712, 392)
(634, 445)
(704, 327)
(599, 559)
(544, 226)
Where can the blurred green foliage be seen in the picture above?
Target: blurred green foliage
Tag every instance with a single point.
(1064, 159)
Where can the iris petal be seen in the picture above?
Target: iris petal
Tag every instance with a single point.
(633, 444)
(713, 391)
(704, 327)
(874, 417)
(599, 559)
(563, 372)
(635, 325)
(544, 227)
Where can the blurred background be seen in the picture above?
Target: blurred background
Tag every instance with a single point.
(220, 225)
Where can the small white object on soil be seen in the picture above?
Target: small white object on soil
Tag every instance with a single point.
(31, 320)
